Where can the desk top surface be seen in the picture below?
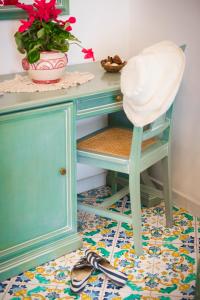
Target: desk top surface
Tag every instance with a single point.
(102, 83)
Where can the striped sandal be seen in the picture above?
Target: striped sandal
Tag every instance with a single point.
(80, 274)
(104, 265)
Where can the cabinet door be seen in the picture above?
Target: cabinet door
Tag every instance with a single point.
(36, 147)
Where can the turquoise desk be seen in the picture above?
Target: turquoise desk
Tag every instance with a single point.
(38, 201)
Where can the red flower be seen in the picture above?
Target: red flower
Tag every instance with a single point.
(60, 22)
(71, 20)
(28, 8)
(26, 24)
(88, 53)
(69, 28)
(42, 10)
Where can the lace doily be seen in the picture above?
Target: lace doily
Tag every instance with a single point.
(24, 84)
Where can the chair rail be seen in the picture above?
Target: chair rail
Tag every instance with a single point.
(154, 131)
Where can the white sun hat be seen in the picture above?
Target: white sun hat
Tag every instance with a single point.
(150, 82)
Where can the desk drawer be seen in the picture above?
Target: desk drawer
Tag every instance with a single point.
(101, 104)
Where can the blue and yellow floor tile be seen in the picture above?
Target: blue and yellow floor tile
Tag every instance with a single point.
(165, 271)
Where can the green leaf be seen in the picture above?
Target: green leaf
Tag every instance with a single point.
(21, 50)
(35, 45)
(43, 36)
(19, 42)
(63, 48)
(71, 37)
(33, 56)
(41, 33)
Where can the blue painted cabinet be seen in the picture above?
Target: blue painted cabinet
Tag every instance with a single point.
(38, 201)
(37, 187)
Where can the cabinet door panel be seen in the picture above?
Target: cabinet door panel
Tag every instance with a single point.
(33, 193)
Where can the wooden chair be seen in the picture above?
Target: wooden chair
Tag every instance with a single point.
(130, 152)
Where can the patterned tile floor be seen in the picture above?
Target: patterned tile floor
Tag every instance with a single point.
(165, 271)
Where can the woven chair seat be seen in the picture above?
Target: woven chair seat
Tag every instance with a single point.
(112, 141)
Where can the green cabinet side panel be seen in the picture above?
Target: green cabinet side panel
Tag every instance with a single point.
(36, 201)
(31, 187)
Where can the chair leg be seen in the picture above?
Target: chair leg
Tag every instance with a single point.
(167, 190)
(113, 181)
(135, 199)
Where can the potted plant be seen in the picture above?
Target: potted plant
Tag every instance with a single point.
(45, 40)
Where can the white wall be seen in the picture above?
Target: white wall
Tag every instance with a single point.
(156, 20)
(102, 25)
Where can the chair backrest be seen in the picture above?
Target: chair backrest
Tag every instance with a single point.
(160, 128)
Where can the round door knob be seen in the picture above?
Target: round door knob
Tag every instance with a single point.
(119, 98)
(62, 171)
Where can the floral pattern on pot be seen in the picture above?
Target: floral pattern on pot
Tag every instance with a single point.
(48, 69)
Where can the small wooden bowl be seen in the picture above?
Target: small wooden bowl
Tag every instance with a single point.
(110, 67)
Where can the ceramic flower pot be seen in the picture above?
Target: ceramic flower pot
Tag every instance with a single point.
(49, 69)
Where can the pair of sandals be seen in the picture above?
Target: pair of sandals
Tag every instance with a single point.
(85, 266)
